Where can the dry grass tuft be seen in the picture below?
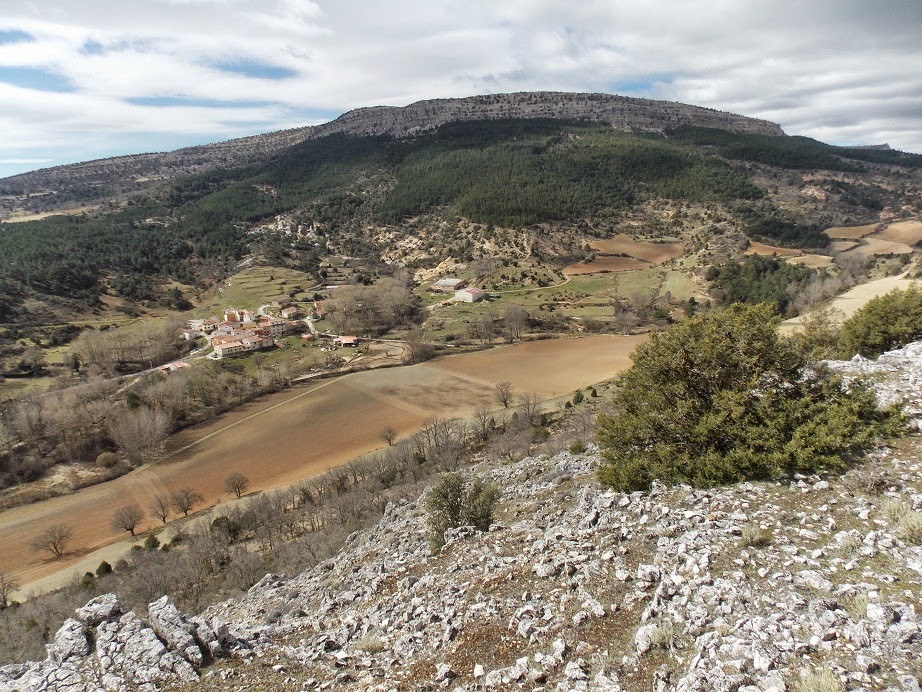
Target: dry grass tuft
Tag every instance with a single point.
(894, 510)
(909, 528)
(755, 536)
(819, 679)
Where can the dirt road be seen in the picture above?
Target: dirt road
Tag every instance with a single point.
(295, 434)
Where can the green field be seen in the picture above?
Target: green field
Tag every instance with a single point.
(254, 287)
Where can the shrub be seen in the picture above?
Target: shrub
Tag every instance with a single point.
(103, 569)
(87, 582)
(455, 501)
(578, 397)
(106, 460)
(884, 323)
(722, 398)
(577, 447)
(151, 543)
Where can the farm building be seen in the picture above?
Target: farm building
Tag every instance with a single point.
(273, 326)
(290, 312)
(251, 340)
(347, 341)
(448, 284)
(469, 295)
(203, 326)
(237, 315)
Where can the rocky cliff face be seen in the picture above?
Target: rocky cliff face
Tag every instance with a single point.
(741, 588)
(621, 112)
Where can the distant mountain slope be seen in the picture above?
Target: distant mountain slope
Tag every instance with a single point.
(103, 179)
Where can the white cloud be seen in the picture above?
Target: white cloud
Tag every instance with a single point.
(844, 72)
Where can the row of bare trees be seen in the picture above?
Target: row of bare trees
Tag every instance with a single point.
(56, 539)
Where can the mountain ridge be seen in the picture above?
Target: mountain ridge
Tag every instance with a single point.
(60, 187)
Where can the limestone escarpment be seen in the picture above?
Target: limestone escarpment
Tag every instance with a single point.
(622, 112)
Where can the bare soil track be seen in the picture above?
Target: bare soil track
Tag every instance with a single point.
(295, 434)
(769, 250)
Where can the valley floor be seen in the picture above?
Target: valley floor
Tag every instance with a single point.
(286, 437)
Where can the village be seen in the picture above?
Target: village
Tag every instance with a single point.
(240, 331)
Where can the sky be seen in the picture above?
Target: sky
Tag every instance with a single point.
(97, 78)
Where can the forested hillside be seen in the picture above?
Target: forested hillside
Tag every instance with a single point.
(507, 173)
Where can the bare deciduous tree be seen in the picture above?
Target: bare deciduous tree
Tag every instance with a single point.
(8, 585)
(237, 484)
(388, 435)
(483, 423)
(529, 404)
(417, 345)
(160, 507)
(139, 433)
(516, 319)
(127, 518)
(185, 499)
(54, 540)
(504, 394)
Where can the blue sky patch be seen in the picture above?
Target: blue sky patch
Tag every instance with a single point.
(643, 85)
(14, 36)
(256, 70)
(92, 47)
(34, 78)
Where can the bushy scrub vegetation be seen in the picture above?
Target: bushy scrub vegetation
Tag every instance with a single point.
(774, 229)
(722, 398)
(884, 323)
(456, 501)
(759, 279)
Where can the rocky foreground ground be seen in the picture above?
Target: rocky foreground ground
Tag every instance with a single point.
(759, 586)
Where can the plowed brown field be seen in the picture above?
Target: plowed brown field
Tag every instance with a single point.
(812, 261)
(874, 246)
(623, 244)
(303, 431)
(605, 263)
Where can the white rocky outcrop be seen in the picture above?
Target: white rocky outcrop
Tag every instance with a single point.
(895, 375)
(105, 648)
